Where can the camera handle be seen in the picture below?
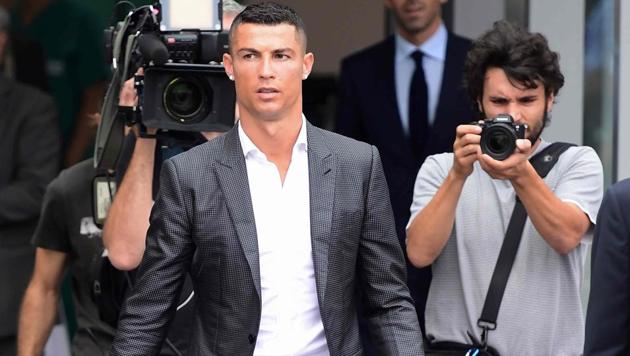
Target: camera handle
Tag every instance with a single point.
(132, 115)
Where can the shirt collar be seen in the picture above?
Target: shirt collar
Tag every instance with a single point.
(434, 47)
(250, 148)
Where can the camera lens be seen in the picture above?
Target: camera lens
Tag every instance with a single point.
(184, 98)
(498, 141)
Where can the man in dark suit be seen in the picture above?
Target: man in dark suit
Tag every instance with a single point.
(278, 223)
(608, 314)
(30, 154)
(382, 104)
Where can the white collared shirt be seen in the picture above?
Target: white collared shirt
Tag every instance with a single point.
(290, 323)
(434, 50)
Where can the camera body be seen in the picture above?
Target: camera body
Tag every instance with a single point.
(185, 86)
(499, 135)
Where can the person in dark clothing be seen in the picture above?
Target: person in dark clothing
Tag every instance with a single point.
(608, 313)
(30, 156)
(66, 236)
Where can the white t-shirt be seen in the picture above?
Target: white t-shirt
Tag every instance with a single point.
(541, 311)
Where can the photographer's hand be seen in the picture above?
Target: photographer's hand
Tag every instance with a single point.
(466, 150)
(128, 95)
(561, 223)
(429, 231)
(513, 167)
(124, 233)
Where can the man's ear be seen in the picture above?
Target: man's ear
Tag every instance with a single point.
(550, 100)
(309, 59)
(229, 66)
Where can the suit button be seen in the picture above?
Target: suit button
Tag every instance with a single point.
(251, 338)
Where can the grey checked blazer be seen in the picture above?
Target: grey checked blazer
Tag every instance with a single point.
(203, 223)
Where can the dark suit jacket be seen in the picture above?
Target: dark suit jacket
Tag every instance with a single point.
(608, 315)
(29, 160)
(203, 223)
(368, 111)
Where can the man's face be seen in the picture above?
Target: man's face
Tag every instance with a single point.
(526, 106)
(415, 16)
(268, 65)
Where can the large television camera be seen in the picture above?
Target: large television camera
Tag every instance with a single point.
(180, 45)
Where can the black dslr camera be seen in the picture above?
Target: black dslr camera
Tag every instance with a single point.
(499, 135)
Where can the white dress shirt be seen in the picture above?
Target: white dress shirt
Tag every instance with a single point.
(291, 323)
(434, 50)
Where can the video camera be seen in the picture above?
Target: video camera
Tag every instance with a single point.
(181, 48)
(184, 87)
(180, 45)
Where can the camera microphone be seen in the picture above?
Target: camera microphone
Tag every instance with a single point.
(153, 49)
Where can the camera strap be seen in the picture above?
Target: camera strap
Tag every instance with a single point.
(542, 162)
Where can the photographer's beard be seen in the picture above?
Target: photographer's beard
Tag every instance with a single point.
(535, 131)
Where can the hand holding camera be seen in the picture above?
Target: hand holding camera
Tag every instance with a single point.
(498, 144)
(504, 148)
(510, 168)
(499, 135)
(466, 149)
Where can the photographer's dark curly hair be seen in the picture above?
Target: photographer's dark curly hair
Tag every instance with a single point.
(525, 57)
(269, 13)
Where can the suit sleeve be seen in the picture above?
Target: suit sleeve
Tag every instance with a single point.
(37, 151)
(608, 314)
(349, 120)
(388, 307)
(147, 312)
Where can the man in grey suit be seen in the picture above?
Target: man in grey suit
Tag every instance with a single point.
(278, 222)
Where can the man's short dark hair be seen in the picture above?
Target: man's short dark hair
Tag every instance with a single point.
(269, 13)
(524, 57)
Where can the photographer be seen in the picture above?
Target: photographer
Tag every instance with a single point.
(463, 202)
(126, 226)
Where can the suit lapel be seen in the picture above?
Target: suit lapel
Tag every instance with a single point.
(321, 166)
(232, 176)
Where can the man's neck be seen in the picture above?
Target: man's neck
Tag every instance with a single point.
(421, 37)
(275, 138)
